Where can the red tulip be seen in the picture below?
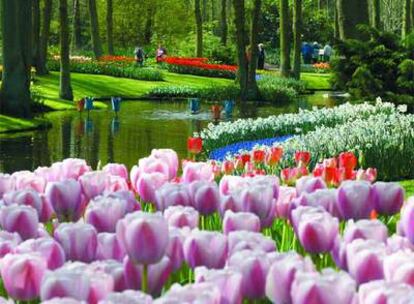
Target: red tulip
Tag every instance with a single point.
(274, 155)
(245, 158)
(195, 145)
(302, 158)
(330, 163)
(348, 161)
(259, 156)
(81, 105)
(216, 110)
(227, 167)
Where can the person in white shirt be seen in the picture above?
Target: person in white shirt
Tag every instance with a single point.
(327, 49)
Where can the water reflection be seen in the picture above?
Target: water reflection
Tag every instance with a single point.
(133, 133)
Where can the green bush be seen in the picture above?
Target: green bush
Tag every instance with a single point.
(181, 69)
(279, 90)
(125, 70)
(206, 93)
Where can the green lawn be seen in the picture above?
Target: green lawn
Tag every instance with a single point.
(12, 124)
(317, 81)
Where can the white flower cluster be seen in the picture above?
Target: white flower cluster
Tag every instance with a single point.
(225, 133)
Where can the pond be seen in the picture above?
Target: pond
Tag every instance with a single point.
(140, 127)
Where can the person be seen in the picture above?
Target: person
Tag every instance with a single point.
(327, 52)
(161, 53)
(261, 57)
(307, 53)
(315, 53)
(139, 56)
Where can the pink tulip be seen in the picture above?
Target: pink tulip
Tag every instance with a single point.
(129, 198)
(323, 288)
(338, 253)
(253, 266)
(380, 292)
(406, 223)
(6, 184)
(74, 168)
(8, 242)
(109, 247)
(114, 269)
(168, 156)
(240, 221)
(229, 183)
(205, 196)
(148, 183)
(158, 275)
(309, 184)
(389, 197)
(282, 273)
(365, 260)
(179, 216)
(93, 183)
(365, 229)
(203, 293)
(269, 181)
(396, 243)
(115, 184)
(399, 267)
(228, 281)
(172, 194)
(50, 174)
(63, 283)
(47, 247)
(21, 219)
(26, 180)
(369, 175)
(246, 240)
(356, 199)
(197, 172)
(175, 249)
(63, 301)
(22, 274)
(325, 198)
(104, 213)
(79, 241)
(144, 236)
(228, 202)
(66, 199)
(315, 228)
(199, 245)
(283, 204)
(127, 297)
(116, 170)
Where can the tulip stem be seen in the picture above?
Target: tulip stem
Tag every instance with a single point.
(145, 278)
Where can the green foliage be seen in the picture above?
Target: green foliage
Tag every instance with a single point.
(181, 69)
(378, 67)
(129, 70)
(207, 93)
(279, 90)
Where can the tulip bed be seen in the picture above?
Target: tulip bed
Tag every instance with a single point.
(207, 232)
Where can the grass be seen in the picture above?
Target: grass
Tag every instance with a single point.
(317, 81)
(409, 187)
(12, 124)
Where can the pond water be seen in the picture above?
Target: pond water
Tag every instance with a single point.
(140, 127)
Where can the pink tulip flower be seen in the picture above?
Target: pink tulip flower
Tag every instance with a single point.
(148, 183)
(396, 243)
(246, 240)
(205, 196)
(26, 180)
(93, 183)
(309, 184)
(114, 269)
(283, 203)
(203, 293)
(116, 170)
(115, 184)
(399, 267)
(240, 221)
(74, 168)
(406, 223)
(8, 242)
(6, 184)
(197, 172)
(129, 198)
(175, 249)
(172, 194)
(179, 216)
(21, 219)
(380, 292)
(170, 157)
(325, 198)
(389, 197)
(365, 229)
(369, 175)
(356, 199)
(127, 297)
(109, 247)
(50, 174)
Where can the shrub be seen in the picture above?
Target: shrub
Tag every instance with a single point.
(207, 93)
(277, 89)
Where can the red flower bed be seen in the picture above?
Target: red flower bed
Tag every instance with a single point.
(109, 58)
(201, 63)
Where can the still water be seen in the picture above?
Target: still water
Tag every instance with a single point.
(140, 127)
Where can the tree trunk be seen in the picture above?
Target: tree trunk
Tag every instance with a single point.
(41, 68)
(35, 32)
(205, 14)
(77, 30)
(406, 24)
(336, 21)
(252, 84)
(284, 39)
(223, 21)
(213, 10)
(65, 82)
(376, 14)
(199, 29)
(110, 26)
(239, 20)
(149, 24)
(96, 39)
(297, 33)
(16, 23)
(350, 14)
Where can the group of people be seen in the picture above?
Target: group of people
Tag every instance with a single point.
(314, 52)
(140, 55)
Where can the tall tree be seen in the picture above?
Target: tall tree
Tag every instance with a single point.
(223, 22)
(204, 11)
(16, 25)
(41, 68)
(77, 30)
(110, 26)
(297, 34)
(376, 14)
(65, 91)
(35, 31)
(149, 23)
(251, 81)
(199, 28)
(284, 38)
(96, 39)
(350, 14)
(336, 21)
(240, 21)
(406, 25)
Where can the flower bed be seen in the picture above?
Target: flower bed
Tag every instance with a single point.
(85, 235)
(226, 133)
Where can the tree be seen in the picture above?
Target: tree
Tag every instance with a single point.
(350, 14)
(77, 30)
(376, 14)
(148, 30)
(251, 80)
(284, 39)
(35, 31)
(109, 26)
(16, 21)
(199, 28)
(41, 68)
(96, 39)
(65, 81)
(297, 33)
(406, 25)
(223, 21)
(240, 21)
